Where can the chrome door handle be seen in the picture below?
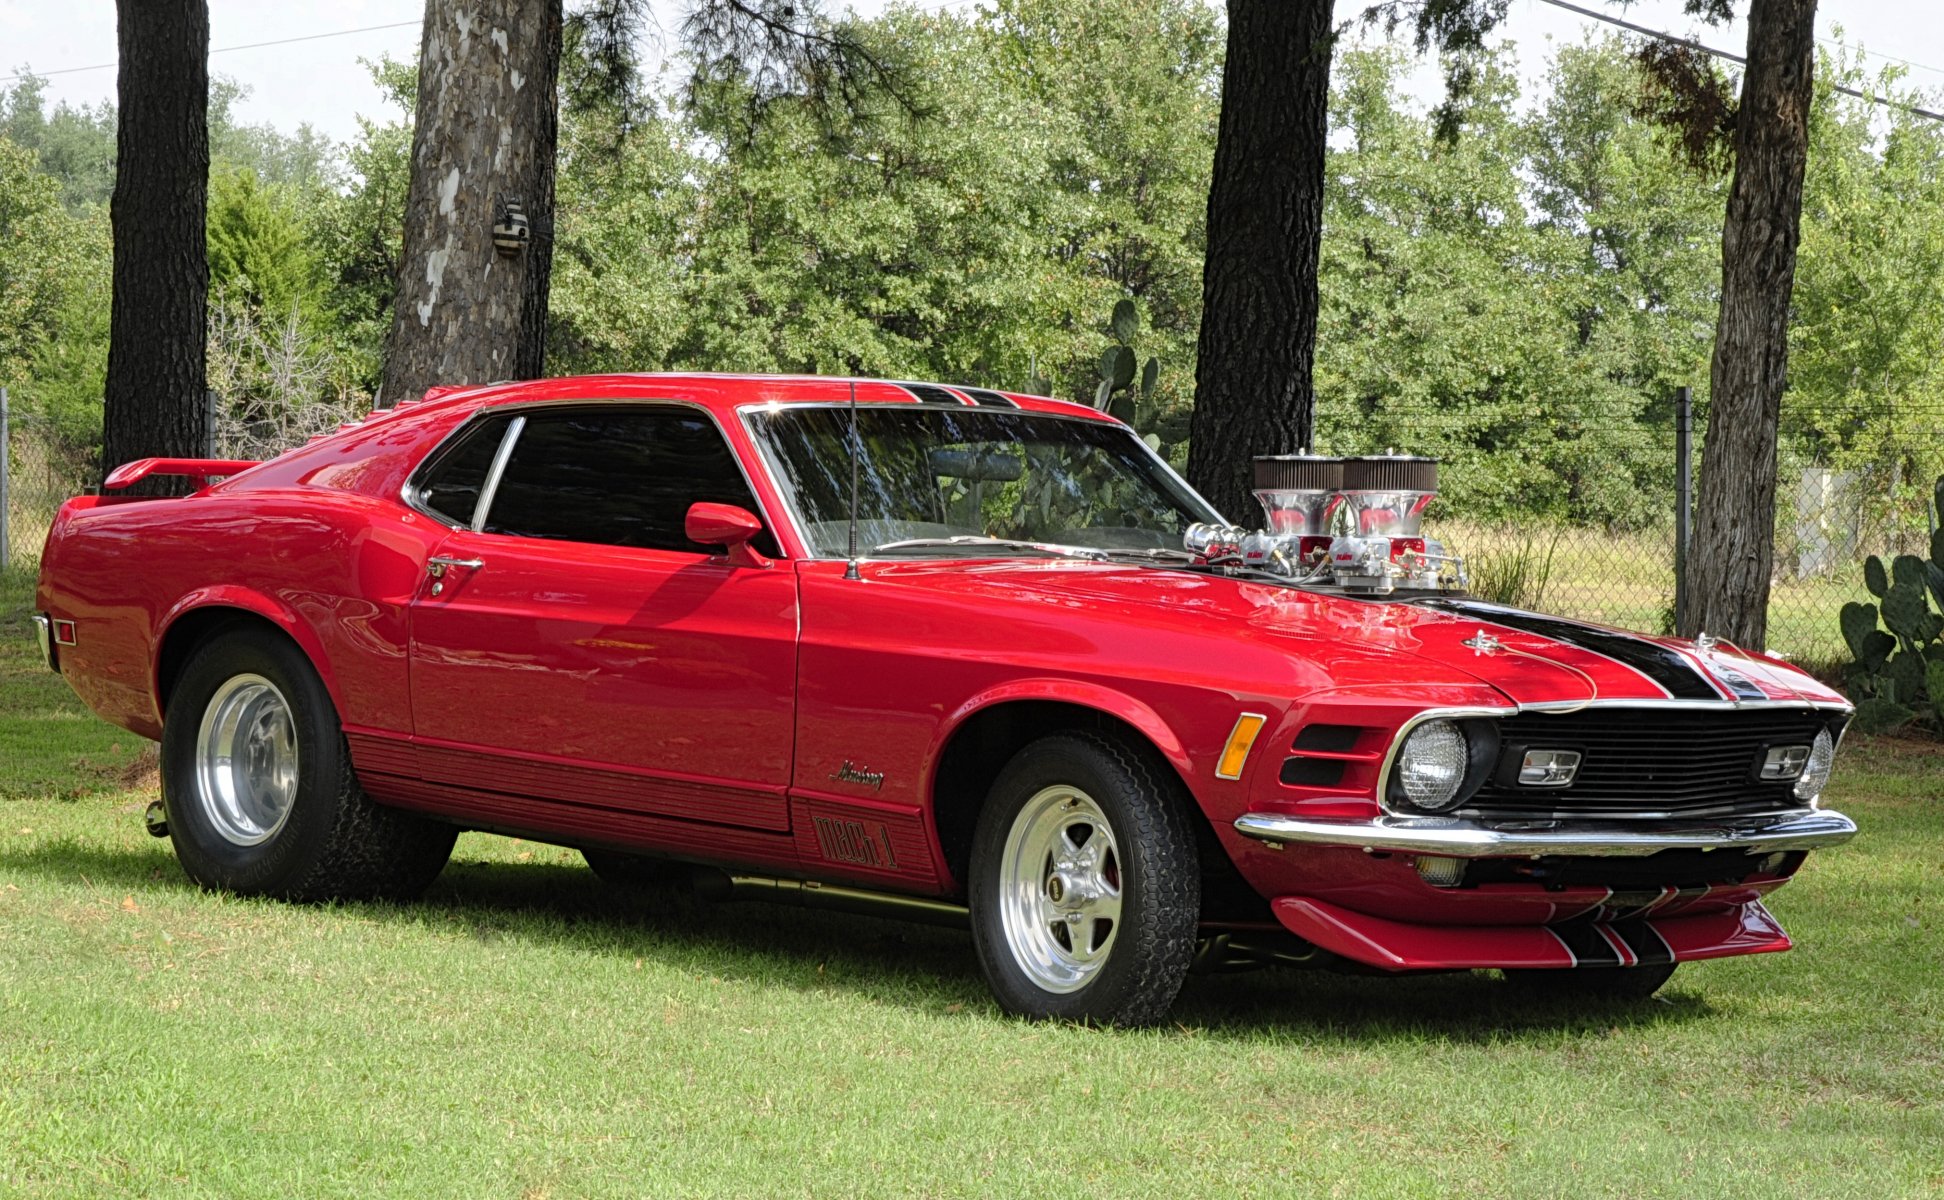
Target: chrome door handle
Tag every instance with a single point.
(437, 564)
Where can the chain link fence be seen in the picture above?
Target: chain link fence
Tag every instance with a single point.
(1623, 572)
(39, 472)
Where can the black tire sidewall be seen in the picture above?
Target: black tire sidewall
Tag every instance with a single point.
(1150, 838)
(281, 862)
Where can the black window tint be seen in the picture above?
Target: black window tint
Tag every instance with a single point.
(618, 479)
(450, 485)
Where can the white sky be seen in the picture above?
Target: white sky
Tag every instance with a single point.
(321, 82)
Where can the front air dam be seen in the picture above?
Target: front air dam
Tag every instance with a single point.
(1399, 946)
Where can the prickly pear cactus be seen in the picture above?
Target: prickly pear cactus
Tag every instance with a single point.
(1897, 672)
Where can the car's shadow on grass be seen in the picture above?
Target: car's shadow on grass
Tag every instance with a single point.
(919, 967)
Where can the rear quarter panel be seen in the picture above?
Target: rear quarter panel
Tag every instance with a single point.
(314, 541)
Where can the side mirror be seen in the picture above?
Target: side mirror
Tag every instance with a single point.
(726, 525)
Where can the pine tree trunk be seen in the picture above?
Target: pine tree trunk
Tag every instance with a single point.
(1253, 392)
(484, 134)
(1734, 537)
(154, 402)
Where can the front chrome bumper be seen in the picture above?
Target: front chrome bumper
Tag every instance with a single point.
(1795, 829)
(44, 634)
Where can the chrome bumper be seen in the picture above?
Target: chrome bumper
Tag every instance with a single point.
(1796, 829)
(44, 634)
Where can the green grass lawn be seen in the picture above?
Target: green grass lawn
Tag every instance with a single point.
(527, 1032)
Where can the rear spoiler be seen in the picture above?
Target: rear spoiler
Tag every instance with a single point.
(198, 471)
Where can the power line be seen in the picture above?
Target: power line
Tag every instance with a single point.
(1691, 44)
(309, 37)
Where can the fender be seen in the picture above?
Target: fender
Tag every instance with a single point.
(1067, 691)
(248, 600)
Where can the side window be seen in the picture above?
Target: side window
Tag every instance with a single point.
(618, 478)
(449, 485)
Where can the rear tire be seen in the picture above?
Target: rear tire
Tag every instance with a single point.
(1084, 888)
(1610, 984)
(258, 788)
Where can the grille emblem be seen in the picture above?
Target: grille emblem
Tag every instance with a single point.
(1548, 768)
(1784, 762)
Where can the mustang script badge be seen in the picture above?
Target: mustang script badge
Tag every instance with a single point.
(850, 772)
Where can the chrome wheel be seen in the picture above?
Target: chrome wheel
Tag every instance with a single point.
(1060, 889)
(246, 760)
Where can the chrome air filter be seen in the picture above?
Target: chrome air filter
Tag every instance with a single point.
(1386, 493)
(1298, 492)
(1298, 473)
(1385, 473)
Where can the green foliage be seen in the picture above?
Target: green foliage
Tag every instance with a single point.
(76, 145)
(257, 244)
(54, 268)
(1519, 303)
(1898, 670)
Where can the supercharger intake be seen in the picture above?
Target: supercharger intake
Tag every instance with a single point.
(1354, 524)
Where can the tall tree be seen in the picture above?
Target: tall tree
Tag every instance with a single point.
(487, 132)
(482, 147)
(154, 402)
(1253, 390)
(1734, 539)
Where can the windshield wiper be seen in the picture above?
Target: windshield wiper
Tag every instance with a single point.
(1155, 554)
(969, 541)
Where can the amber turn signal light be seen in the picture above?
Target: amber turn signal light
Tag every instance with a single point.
(1240, 741)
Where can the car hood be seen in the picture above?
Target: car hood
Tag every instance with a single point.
(1532, 659)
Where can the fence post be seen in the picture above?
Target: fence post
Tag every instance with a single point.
(6, 496)
(209, 422)
(1683, 500)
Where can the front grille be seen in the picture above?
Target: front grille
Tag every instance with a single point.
(1641, 762)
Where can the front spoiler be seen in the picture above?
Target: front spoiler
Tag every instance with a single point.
(1401, 946)
(1795, 829)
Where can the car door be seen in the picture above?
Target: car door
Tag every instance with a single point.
(571, 646)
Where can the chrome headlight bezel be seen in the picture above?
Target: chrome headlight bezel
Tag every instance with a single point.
(1476, 750)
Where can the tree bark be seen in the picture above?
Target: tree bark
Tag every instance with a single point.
(1734, 537)
(154, 402)
(485, 133)
(1253, 390)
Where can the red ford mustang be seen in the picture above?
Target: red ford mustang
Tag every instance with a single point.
(946, 651)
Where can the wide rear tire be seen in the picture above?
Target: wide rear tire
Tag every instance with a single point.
(258, 789)
(1085, 891)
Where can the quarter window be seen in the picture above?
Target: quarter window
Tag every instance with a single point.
(622, 478)
(450, 485)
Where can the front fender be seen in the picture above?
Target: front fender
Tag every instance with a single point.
(1112, 702)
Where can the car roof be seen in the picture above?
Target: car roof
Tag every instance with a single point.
(726, 393)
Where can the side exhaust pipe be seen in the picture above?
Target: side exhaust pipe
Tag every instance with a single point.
(156, 819)
(801, 893)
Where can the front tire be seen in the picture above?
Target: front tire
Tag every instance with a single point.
(258, 789)
(1085, 889)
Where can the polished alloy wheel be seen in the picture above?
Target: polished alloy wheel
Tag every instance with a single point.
(246, 760)
(1060, 889)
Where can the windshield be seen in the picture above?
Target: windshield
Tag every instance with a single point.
(925, 475)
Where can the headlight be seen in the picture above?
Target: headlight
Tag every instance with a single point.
(1431, 765)
(1815, 775)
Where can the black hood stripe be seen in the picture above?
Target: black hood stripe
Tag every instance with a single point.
(1676, 674)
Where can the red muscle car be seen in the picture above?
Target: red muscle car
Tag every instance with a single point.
(956, 653)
